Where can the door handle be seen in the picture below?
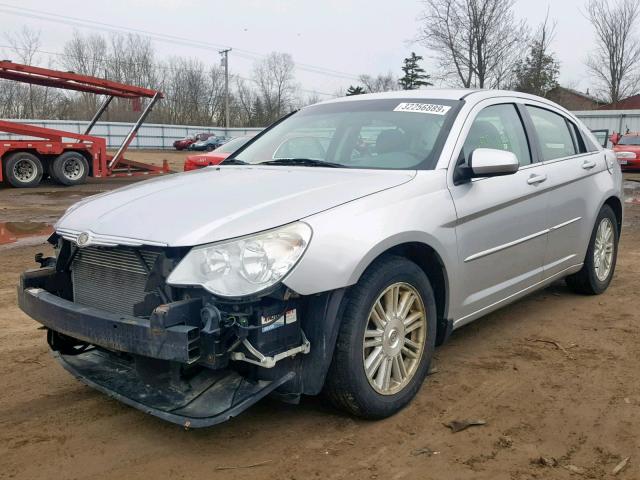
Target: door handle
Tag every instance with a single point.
(588, 164)
(535, 179)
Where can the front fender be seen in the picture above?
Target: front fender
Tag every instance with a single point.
(347, 238)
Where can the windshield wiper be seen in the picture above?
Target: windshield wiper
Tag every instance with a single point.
(306, 162)
(233, 161)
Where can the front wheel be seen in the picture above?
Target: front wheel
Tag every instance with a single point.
(600, 262)
(386, 340)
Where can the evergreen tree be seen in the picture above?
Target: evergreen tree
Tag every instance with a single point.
(538, 72)
(357, 90)
(414, 75)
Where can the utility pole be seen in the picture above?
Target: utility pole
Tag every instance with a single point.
(225, 63)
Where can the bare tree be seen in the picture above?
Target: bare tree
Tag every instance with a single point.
(26, 43)
(380, 83)
(475, 41)
(274, 77)
(614, 63)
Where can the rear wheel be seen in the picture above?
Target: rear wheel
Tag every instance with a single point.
(23, 170)
(386, 340)
(600, 262)
(70, 168)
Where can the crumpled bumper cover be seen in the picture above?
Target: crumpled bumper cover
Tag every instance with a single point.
(209, 398)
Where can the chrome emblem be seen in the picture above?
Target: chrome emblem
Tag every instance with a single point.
(83, 239)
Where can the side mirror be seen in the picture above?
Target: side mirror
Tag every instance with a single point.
(487, 162)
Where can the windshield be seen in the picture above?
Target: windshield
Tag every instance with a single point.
(630, 140)
(378, 134)
(232, 145)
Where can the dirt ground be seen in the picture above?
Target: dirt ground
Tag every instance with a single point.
(576, 403)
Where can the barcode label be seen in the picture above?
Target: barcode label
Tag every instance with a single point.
(422, 108)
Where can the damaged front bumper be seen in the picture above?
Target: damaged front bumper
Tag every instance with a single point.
(171, 365)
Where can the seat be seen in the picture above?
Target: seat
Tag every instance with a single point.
(389, 141)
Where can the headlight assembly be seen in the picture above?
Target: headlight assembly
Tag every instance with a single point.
(246, 265)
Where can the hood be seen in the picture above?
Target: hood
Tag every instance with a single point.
(217, 203)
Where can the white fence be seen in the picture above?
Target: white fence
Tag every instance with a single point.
(156, 136)
(612, 120)
(151, 136)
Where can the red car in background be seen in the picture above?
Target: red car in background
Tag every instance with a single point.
(193, 162)
(184, 143)
(627, 149)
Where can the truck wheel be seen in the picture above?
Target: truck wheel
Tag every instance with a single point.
(600, 262)
(386, 340)
(23, 170)
(70, 168)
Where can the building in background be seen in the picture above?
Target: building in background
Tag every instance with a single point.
(573, 100)
(629, 103)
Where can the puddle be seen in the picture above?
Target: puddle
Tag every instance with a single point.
(11, 232)
(632, 192)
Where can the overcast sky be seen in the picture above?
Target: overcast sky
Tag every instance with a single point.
(348, 37)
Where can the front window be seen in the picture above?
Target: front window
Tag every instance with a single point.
(630, 140)
(377, 134)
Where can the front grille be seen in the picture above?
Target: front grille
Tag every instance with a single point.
(111, 279)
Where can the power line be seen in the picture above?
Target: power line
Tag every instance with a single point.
(105, 61)
(76, 21)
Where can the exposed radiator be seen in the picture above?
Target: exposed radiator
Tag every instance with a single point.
(111, 279)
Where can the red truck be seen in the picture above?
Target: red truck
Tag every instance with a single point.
(68, 158)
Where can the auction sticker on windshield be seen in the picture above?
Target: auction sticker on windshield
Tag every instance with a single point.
(422, 108)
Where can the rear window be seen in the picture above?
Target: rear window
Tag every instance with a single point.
(630, 140)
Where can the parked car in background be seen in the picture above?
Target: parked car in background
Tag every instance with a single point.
(306, 263)
(193, 162)
(209, 144)
(628, 151)
(184, 143)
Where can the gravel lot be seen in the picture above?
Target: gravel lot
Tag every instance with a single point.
(576, 403)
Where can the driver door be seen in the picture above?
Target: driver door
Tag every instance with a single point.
(501, 228)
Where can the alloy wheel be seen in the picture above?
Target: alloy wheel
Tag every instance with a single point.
(394, 338)
(604, 249)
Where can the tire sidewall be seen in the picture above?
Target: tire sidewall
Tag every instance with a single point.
(372, 402)
(11, 161)
(598, 285)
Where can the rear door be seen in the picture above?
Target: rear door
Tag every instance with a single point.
(573, 167)
(501, 227)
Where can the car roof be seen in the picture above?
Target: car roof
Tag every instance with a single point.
(437, 93)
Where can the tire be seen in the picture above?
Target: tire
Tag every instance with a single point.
(70, 168)
(591, 279)
(23, 170)
(348, 386)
